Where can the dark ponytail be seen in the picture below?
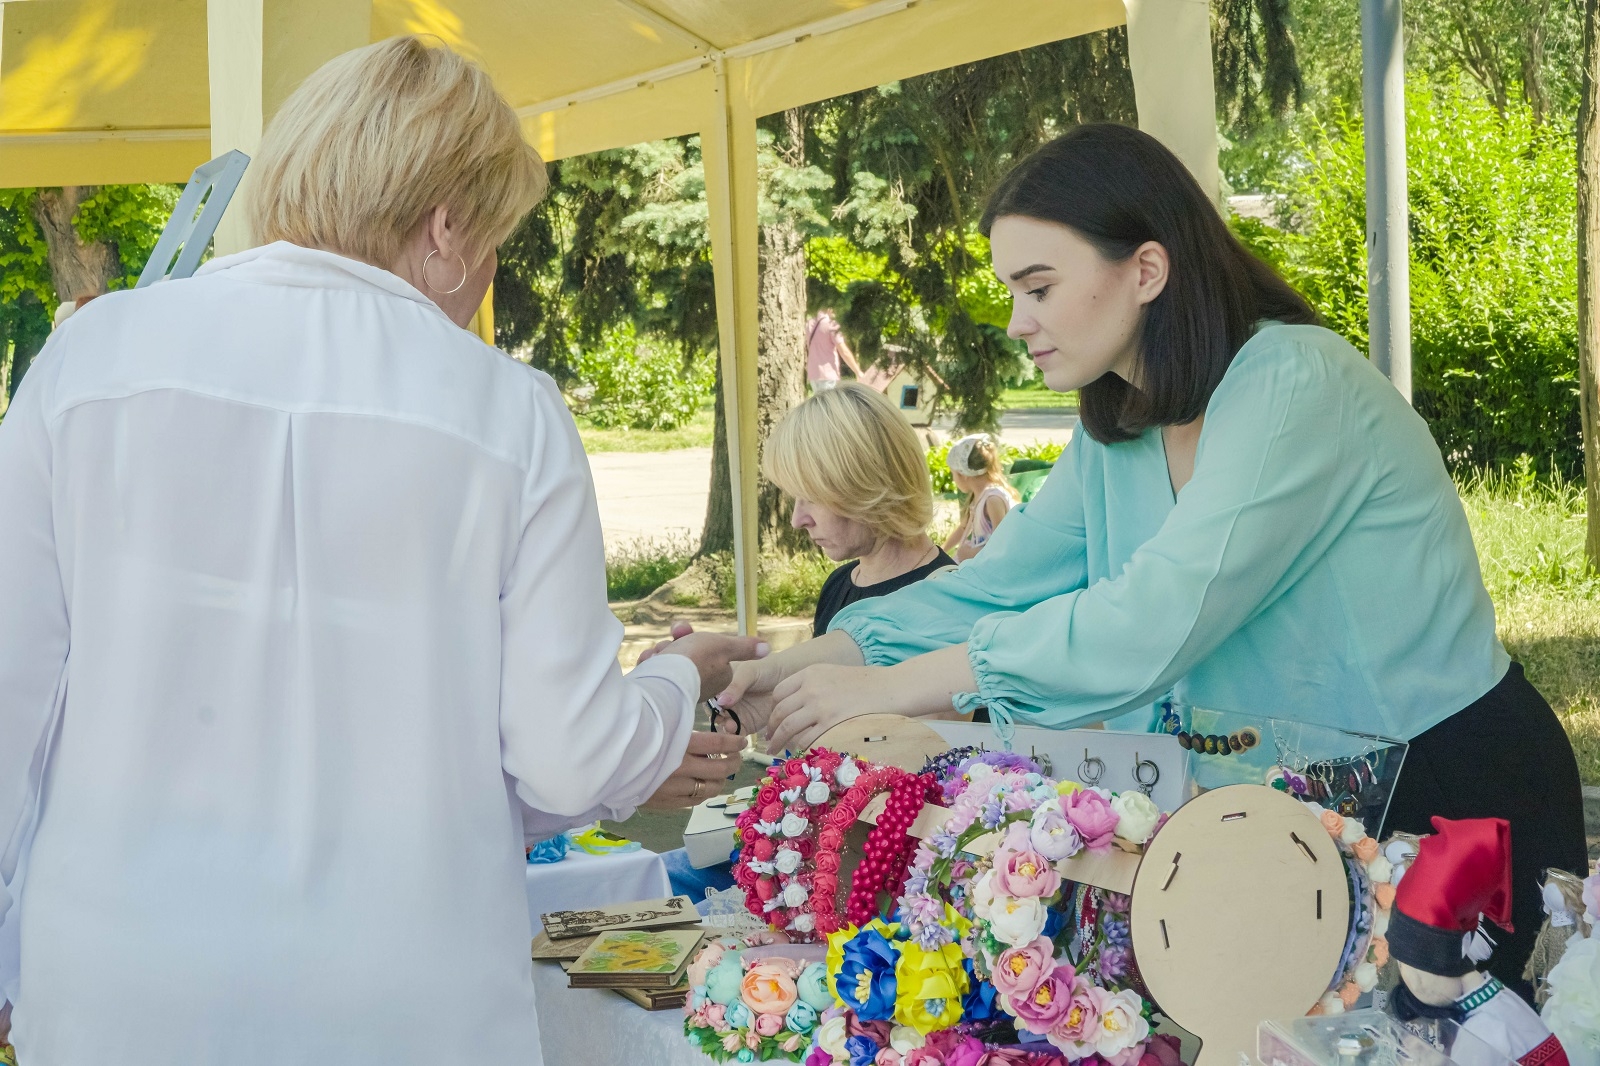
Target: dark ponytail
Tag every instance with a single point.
(1118, 188)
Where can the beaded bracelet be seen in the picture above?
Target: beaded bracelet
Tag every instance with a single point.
(1232, 744)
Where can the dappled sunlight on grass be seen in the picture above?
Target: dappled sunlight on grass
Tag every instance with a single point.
(1530, 546)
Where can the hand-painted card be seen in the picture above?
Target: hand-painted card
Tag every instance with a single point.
(645, 914)
(635, 958)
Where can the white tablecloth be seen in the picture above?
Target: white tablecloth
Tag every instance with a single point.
(578, 1026)
(584, 880)
(584, 1026)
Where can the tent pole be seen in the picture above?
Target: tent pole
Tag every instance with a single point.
(1383, 107)
(728, 149)
(1169, 51)
(259, 51)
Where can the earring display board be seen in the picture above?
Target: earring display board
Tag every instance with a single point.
(1152, 763)
(1240, 913)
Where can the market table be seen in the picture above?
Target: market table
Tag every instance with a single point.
(584, 1025)
(582, 880)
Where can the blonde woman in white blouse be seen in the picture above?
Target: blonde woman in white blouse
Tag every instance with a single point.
(304, 626)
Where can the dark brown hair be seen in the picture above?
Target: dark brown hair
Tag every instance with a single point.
(1118, 188)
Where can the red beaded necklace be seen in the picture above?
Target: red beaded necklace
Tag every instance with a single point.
(886, 855)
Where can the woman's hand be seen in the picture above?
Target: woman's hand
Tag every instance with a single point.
(714, 654)
(816, 699)
(749, 693)
(711, 759)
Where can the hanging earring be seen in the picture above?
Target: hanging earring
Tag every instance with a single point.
(1145, 778)
(429, 284)
(1085, 777)
(1043, 761)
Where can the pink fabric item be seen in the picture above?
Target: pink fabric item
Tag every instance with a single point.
(822, 360)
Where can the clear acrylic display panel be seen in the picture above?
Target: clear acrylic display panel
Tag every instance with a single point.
(1370, 1038)
(1347, 771)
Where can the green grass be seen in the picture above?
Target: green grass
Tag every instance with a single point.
(697, 434)
(1032, 396)
(636, 569)
(1530, 546)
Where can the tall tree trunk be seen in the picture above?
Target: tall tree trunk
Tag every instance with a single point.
(1588, 278)
(77, 267)
(717, 534)
(780, 374)
(1533, 60)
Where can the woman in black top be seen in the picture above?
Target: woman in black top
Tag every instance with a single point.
(860, 485)
(861, 492)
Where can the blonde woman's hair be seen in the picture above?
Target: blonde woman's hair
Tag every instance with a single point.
(376, 138)
(848, 449)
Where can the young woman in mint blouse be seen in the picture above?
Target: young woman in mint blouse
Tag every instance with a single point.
(1252, 519)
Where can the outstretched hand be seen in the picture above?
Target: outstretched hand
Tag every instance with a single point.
(714, 654)
(814, 700)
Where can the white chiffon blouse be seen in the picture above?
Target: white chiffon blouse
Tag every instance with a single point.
(303, 626)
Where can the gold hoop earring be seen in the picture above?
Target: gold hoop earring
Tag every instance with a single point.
(429, 284)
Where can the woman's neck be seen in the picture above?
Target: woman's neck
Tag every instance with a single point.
(893, 558)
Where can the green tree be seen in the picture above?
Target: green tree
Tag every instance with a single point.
(1493, 270)
(58, 244)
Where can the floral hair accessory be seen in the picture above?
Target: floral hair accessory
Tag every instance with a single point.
(779, 835)
(887, 850)
(749, 1008)
(1373, 871)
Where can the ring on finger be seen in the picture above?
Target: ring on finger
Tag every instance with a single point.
(699, 790)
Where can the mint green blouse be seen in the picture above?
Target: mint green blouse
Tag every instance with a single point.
(1318, 567)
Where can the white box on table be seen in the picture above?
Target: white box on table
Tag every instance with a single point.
(709, 836)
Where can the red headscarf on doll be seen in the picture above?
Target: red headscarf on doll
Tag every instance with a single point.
(1462, 872)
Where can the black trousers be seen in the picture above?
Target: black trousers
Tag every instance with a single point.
(1504, 756)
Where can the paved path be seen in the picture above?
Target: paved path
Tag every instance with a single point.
(662, 495)
(652, 495)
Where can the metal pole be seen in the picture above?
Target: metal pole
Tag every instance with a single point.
(1383, 107)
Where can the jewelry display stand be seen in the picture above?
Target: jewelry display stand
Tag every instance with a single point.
(1351, 773)
(1151, 763)
(1240, 912)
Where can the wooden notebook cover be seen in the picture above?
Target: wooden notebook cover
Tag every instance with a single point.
(635, 958)
(645, 914)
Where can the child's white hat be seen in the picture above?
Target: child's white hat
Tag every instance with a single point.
(960, 458)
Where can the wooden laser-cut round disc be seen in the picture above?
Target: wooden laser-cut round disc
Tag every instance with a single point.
(886, 739)
(1233, 938)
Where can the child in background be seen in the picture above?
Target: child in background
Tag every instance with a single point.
(974, 463)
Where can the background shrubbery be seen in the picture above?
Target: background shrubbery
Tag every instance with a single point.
(1493, 270)
(636, 382)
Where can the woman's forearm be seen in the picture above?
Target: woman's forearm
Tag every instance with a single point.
(836, 648)
(928, 684)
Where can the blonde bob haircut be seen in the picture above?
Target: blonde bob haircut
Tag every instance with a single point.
(848, 449)
(376, 138)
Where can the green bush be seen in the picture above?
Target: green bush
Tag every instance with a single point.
(944, 484)
(636, 569)
(1493, 271)
(789, 584)
(638, 383)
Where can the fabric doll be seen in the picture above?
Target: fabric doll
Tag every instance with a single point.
(1462, 874)
(1563, 908)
